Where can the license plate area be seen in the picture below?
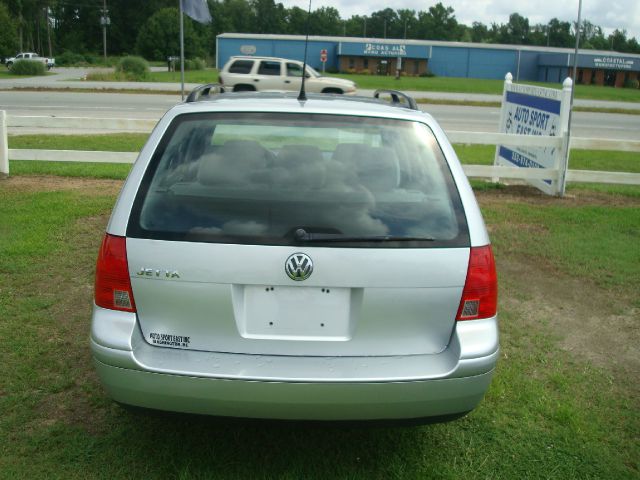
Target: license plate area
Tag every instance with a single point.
(293, 313)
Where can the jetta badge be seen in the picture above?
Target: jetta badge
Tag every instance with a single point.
(299, 267)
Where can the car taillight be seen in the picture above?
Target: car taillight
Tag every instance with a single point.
(113, 285)
(480, 294)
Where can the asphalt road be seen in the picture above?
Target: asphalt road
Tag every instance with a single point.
(114, 105)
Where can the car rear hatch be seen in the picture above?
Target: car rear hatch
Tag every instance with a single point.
(298, 235)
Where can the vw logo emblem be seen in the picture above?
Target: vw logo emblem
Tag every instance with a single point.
(298, 267)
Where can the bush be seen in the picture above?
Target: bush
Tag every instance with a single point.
(28, 67)
(632, 84)
(195, 64)
(69, 58)
(133, 68)
(427, 75)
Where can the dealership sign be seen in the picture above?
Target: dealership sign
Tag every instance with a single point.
(530, 110)
(615, 63)
(385, 50)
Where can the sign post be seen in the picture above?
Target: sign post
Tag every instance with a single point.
(4, 144)
(323, 58)
(531, 110)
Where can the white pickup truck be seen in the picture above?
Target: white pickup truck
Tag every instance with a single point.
(48, 62)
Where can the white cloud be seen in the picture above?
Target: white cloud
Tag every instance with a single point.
(622, 14)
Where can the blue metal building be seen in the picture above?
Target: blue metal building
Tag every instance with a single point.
(446, 59)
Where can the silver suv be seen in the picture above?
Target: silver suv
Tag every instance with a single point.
(248, 74)
(275, 258)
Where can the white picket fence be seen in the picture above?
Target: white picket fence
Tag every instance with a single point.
(479, 171)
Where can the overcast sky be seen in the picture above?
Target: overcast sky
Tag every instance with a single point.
(608, 14)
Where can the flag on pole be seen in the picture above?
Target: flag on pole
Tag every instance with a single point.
(196, 9)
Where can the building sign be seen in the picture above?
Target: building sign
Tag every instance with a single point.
(529, 110)
(385, 50)
(587, 60)
(248, 49)
(615, 63)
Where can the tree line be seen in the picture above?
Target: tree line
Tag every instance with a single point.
(150, 27)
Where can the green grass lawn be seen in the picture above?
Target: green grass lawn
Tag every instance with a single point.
(550, 412)
(476, 85)
(433, 84)
(209, 75)
(606, 161)
(4, 73)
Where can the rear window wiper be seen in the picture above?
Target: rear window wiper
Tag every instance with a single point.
(304, 236)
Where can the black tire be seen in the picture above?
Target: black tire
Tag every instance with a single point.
(333, 90)
(244, 88)
(9, 65)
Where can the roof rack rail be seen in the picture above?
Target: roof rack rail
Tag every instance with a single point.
(395, 98)
(203, 91)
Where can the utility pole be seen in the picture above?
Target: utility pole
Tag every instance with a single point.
(365, 27)
(104, 21)
(47, 19)
(385, 28)
(405, 28)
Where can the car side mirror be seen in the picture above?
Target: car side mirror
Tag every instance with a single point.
(307, 75)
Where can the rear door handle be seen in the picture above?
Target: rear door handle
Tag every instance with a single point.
(256, 80)
(287, 81)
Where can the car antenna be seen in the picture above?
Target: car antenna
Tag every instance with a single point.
(302, 96)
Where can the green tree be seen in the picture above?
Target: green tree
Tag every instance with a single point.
(560, 34)
(516, 31)
(438, 23)
(159, 37)
(269, 16)
(296, 21)
(235, 16)
(356, 26)
(407, 24)
(325, 21)
(479, 32)
(127, 18)
(618, 40)
(8, 33)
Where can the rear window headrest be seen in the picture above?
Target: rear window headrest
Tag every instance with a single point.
(345, 152)
(292, 154)
(379, 170)
(299, 166)
(237, 162)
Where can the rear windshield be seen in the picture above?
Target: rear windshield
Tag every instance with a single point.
(287, 179)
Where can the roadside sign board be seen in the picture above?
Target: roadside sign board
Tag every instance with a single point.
(531, 110)
(323, 55)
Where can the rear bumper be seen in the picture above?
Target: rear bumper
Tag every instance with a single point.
(294, 401)
(284, 387)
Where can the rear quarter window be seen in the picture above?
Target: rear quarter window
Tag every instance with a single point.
(257, 178)
(241, 66)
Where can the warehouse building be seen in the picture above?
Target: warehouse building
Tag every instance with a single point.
(446, 59)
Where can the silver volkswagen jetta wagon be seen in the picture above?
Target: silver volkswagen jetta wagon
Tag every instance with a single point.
(275, 258)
